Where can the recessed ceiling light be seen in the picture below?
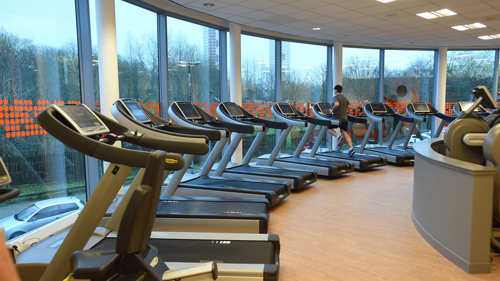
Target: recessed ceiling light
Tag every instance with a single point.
(437, 14)
(488, 37)
(385, 1)
(208, 4)
(469, 26)
(316, 28)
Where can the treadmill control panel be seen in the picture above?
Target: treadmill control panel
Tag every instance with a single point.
(325, 108)
(188, 110)
(286, 109)
(136, 111)
(233, 109)
(4, 174)
(82, 119)
(420, 107)
(378, 108)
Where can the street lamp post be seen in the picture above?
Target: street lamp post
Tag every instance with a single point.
(188, 64)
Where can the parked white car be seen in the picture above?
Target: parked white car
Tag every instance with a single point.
(39, 214)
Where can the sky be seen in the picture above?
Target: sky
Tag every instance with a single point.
(52, 23)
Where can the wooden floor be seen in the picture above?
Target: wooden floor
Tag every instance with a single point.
(359, 227)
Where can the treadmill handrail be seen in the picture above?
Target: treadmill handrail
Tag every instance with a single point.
(328, 118)
(178, 118)
(374, 117)
(254, 119)
(357, 119)
(298, 122)
(167, 131)
(224, 115)
(52, 121)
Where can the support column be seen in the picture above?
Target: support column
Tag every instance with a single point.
(439, 99)
(337, 65)
(235, 75)
(107, 57)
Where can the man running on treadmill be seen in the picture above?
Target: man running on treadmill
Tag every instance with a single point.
(340, 105)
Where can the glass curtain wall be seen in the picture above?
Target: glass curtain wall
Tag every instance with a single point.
(467, 69)
(303, 82)
(137, 47)
(38, 66)
(360, 79)
(258, 86)
(193, 68)
(409, 76)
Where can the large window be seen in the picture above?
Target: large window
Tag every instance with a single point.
(408, 78)
(193, 67)
(303, 80)
(465, 71)
(38, 66)
(258, 86)
(360, 79)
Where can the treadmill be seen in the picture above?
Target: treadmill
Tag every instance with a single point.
(376, 112)
(240, 256)
(189, 116)
(233, 113)
(179, 213)
(461, 107)
(361, 161)
(420, 111)
(284, 112)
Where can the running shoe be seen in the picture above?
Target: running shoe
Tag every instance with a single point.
(351, 152)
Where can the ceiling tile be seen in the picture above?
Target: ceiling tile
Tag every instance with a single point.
(282, 10)
(377, 10)
(235, 10)
(199, 4)
(348, 15)
(300, 24)
(183, 2)
(303, 15)
(261, 24)
(408, 4)
(320, 20)
(259, 15)
(232, 2)
(309, 4)
(259, 4)
(358, 4)
(329, 10)
(365, 20)
(240, 20)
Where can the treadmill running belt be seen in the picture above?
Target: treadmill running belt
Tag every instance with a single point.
(221, 251)
(268, 171)
(220, 208)
(355, 157)
(236, 184)
(391, 151)
(315, 162)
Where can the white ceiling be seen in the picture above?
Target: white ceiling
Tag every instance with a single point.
(364, 21)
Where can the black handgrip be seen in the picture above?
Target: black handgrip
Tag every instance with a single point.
(153, 142)
(237, 128)
(320, 122)
(52, 122)
(8, 193)
(403, 118)
(357, 119)
(213, 135)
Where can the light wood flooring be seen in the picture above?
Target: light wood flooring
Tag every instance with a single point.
(358, 227)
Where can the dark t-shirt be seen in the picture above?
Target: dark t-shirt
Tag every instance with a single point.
(341, 112)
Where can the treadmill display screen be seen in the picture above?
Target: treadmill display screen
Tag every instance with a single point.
(136, 111)
(420, 107)
(286, 109)
(378, 107)
(188, 110)
(325, 108)
(466, 105)
(4, 174)
(233, 109)
(83, 119)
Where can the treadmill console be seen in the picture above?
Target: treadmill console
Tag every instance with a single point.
(188, 110)
(4, 174)
(465, 105)
(233, 109)
(82, 118)
(325, 108)
(378, 108)
(487, 102)
(285, 109)
(420, 107)
(135, 110)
